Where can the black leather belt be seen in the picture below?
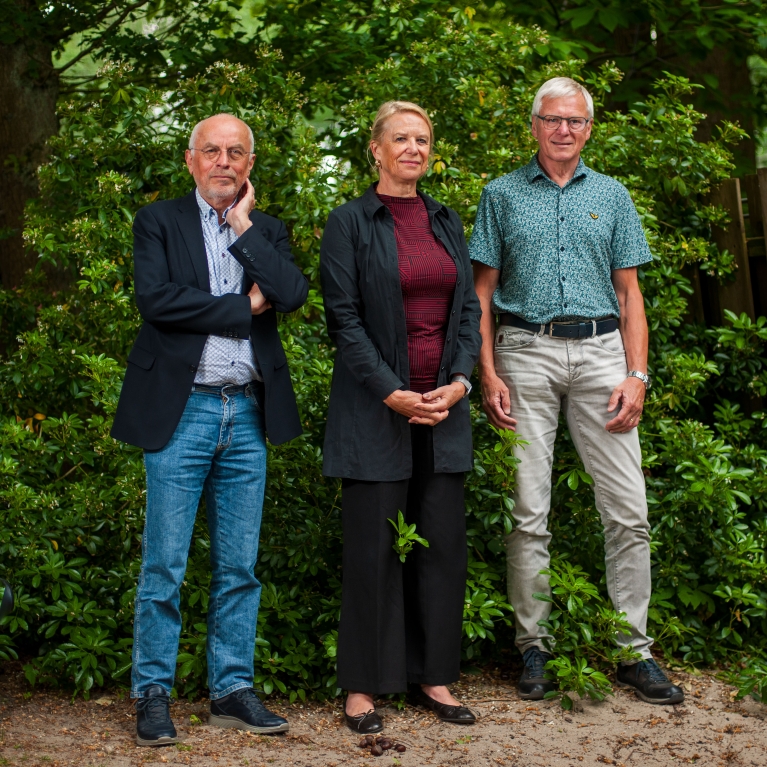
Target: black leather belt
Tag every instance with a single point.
(228, 389)
(556, 329)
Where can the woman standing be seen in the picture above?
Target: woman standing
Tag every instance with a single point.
(402, 311)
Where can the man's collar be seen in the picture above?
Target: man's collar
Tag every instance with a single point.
(206, 208)
(533, 170)
(371, 203)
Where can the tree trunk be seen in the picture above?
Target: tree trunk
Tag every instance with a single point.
(28, 92)
(732, 99)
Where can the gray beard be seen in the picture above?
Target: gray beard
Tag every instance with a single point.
(219, 194)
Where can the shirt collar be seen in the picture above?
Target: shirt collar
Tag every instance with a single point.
(208, 211)
(533, 170)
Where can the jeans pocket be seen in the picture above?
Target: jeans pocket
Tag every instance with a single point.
(255, 395)
(507, 340)
(612, 343)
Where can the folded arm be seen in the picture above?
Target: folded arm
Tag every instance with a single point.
(167, 304)
(269, 265)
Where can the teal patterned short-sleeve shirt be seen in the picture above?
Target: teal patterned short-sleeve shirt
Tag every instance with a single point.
(557, 247)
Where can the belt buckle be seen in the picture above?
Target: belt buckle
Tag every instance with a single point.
(594, 328)
(551, 329)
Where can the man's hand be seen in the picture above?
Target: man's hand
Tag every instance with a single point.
(258, 303)
(239, 216)
(496, 402)
(629, 394)
(411, 404)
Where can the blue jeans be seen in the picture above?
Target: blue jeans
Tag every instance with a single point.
(219, 447)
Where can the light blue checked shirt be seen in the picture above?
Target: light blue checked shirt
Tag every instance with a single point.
(224, 360)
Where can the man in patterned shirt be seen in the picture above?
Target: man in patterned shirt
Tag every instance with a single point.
(207, 380)
(556, 248)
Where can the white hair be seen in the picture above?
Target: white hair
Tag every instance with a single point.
(557, 88)
(195, 130)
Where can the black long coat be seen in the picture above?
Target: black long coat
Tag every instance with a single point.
(359, 268)
(172, 288)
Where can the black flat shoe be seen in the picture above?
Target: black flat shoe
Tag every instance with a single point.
(366, 723)
(445, 712)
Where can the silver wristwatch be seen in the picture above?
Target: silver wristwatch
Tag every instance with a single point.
(643, 377)
(465, 381)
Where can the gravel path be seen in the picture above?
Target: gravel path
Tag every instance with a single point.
(710, 728)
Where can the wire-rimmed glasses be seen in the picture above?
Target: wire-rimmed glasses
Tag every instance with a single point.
(212, 153)
(552, 122)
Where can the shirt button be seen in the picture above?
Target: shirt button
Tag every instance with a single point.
(192, 368)
(448, 338)
(565, 305)
(245, 251)
(453, 312)
(562, 248)
(561, 218)
(563, 279)
(225, 282)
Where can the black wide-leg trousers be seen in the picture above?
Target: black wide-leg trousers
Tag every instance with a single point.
(401, 623)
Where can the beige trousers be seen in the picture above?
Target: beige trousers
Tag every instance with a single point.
(546, 375)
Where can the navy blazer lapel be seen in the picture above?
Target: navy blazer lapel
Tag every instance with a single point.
(191, 228)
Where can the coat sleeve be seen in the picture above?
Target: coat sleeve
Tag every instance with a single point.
(343, 310)
(174, 307)
(469, 340)
(271, 267)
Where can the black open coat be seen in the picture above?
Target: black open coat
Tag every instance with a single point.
(365, 439)
(172, 288)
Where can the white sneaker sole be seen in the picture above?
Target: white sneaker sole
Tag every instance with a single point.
(237, 724)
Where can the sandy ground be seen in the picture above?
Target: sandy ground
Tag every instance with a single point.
(710, 728)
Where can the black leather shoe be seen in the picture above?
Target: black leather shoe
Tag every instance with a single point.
(533, 685)
(649, 682)
(366, 723)
(444, 711)
(153, 723)
(243, 710)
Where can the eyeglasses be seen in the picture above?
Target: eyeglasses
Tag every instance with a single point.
(211, 154)
(552, 122)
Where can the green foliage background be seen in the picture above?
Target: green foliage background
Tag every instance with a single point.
(72, 498)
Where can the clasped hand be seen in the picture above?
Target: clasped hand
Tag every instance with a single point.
(427, 409)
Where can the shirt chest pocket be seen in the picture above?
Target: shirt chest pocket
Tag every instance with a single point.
(594, 226)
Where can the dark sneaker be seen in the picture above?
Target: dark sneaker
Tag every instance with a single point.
(244, 710)
(532, 684)
(153, 723)
(649, 682)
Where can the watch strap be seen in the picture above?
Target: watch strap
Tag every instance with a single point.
(460, 378)
(643, 377)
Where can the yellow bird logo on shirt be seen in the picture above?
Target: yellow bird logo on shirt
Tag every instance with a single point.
(594, 216)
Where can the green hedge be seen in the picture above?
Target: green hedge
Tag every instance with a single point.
(72, 498)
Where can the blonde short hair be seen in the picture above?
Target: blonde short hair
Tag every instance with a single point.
(389, 109)
(557, 88)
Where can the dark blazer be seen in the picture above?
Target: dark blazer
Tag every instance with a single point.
(172, 289)
(359, 268)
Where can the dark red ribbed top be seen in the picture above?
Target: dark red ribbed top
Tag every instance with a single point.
(428, 276)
